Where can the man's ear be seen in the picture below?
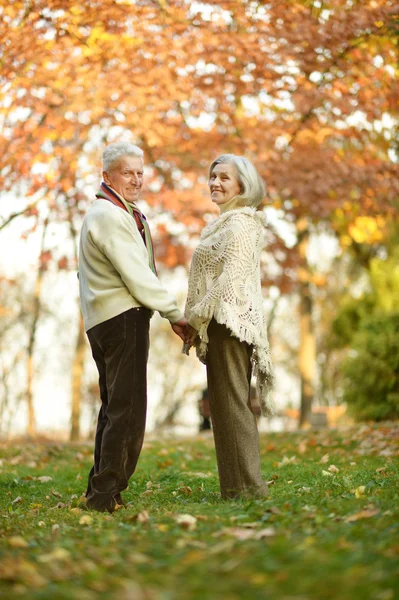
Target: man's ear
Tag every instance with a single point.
(106, 178)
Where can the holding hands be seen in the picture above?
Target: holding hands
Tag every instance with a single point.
(185, 332)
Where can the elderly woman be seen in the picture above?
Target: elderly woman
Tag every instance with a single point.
(226, 321)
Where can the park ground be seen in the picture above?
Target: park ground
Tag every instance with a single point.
(330, 529)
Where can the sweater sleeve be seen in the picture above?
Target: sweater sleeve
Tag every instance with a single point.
(233, 285)
(125, 249)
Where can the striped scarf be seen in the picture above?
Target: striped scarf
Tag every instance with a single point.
(107, 193)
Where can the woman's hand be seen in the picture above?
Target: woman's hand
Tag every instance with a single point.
(189, 335)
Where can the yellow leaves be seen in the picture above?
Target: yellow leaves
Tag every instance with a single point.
(20, 570)
(367, 230)
(17, 541)
(98, 37)
(86, 520)
(58, 554)
(360, 492)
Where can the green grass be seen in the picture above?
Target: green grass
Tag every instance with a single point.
(318, 536)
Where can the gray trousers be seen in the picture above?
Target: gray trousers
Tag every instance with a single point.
(234, 424)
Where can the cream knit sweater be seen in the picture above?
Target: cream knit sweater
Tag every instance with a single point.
(114, 273)
(225, 284)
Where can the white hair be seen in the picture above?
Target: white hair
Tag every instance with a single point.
(114, 152)
(252, 186)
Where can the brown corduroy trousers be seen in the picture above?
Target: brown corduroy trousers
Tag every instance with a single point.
(120, 349)
(234, 424)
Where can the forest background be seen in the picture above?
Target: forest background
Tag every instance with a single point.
(305, 89)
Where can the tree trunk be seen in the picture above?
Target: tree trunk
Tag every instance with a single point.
(80, 347)
(77, 376)
(31, 427)
(307, 348)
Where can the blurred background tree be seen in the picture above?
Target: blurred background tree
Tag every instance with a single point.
(306, 89)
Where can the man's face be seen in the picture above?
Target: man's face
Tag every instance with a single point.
(126, 177)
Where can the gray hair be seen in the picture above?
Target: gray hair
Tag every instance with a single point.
(114, 152)
(252, 186)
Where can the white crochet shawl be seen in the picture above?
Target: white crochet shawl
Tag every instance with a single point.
(225, 284)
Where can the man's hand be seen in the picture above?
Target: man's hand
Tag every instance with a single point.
(180, 327)
(190, 335)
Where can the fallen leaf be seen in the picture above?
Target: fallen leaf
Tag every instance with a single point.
(56, 494)
(86, 520)
(75, 511)
(266, 532)
(56, 554)
(186, 521)
(326, 473)
(363, 514)
(360, 491)
(325, 458)
(186, 490)
(16, 541)
(17, 500)
(287, 461)
(381, 470)
(44, 478)
(333, 469)
(143, 517)
(302, 447)
(242, 533)
(274, 510)
(198, 474)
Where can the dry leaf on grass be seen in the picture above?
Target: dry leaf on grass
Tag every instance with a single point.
(16, 541)
(242, 533)
(333, 469)
(326, 473)
(287, 461)
(185, 489)
(86, 520)
(143, 517)
(360, 492)
(56, 554)
(186, 521)
(363, 514)
(44, 478)
(325, 458)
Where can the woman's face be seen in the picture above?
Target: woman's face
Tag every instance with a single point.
(223, 183)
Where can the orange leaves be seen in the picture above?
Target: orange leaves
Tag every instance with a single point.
(188, 83)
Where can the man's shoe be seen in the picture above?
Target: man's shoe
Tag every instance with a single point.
(106, 505)
(119, 500)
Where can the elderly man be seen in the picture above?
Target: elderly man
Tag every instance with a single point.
(119, 290)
